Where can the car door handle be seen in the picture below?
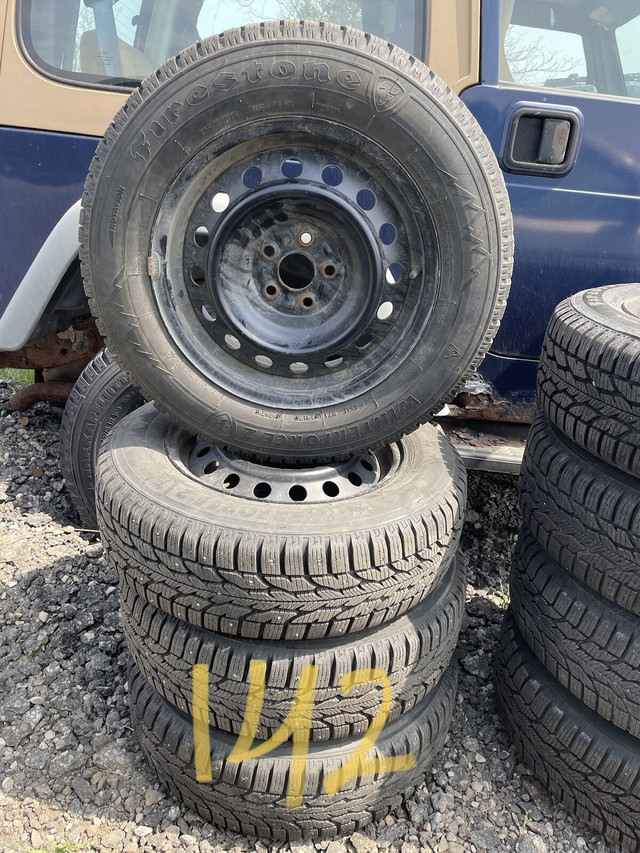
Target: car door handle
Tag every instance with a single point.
(542, 140)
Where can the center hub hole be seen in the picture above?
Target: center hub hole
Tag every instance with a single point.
(296, 271)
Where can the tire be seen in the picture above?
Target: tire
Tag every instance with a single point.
(100, 398)
(591, 646)
(586, 763)
(589, 378)
(228, 562)
(249, 797)
(584, 513)
(414, 651)
(182, 193)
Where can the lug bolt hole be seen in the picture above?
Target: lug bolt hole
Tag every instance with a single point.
(308, 302)
(268, 251)
(271, 291)
(305, 238)
(328, 270)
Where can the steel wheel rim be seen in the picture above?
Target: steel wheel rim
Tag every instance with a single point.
(226, 473)
(398, 265)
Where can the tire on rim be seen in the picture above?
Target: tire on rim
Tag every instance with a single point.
(297, 240)
(266, 553)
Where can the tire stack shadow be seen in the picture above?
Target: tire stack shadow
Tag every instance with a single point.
(567, 667)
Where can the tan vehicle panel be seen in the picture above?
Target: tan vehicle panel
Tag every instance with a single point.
(30, 99)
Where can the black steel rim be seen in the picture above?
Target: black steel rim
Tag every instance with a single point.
(292, 263)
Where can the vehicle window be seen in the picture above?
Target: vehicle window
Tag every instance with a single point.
(538, 57)
(118, 42)
(628, 40)
(580, 46)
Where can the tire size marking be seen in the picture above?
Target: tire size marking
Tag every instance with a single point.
(296, 727)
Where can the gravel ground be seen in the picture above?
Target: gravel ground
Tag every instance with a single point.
(70, 768)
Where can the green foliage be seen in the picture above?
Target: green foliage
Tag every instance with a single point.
(20, 377)
(60, 847)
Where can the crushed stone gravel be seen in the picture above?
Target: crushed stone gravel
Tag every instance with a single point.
(70, 767)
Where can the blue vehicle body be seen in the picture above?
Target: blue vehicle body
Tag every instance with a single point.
(41, 177)
(573, 231)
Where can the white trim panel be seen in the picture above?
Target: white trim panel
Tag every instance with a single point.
(34, 292)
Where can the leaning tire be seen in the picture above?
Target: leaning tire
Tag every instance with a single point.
(413, 652)
(589, 378)
(203, 548)
(100, 398)
(277, 270)
(249, 797)
(584, 513)
(585, 762)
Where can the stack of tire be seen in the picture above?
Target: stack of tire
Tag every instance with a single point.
(297, 287)
(569, 660)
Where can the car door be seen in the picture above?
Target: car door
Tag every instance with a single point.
(559, 103)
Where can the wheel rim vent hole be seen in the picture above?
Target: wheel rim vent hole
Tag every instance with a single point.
(291, 168)
(209, 314)
(366, 199)
(220, 202)
(231, 481)
(332, 176)
(262, 490)
(211, 467)
(197, 276)
(333, 362)
(366, 465)
(202, 236)
(385, 311)
(394, 274)
(355, 479)
(252, 178)
(330, 489)
(298, 494)
(204, 451)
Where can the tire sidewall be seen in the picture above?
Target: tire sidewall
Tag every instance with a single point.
(430, 477)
